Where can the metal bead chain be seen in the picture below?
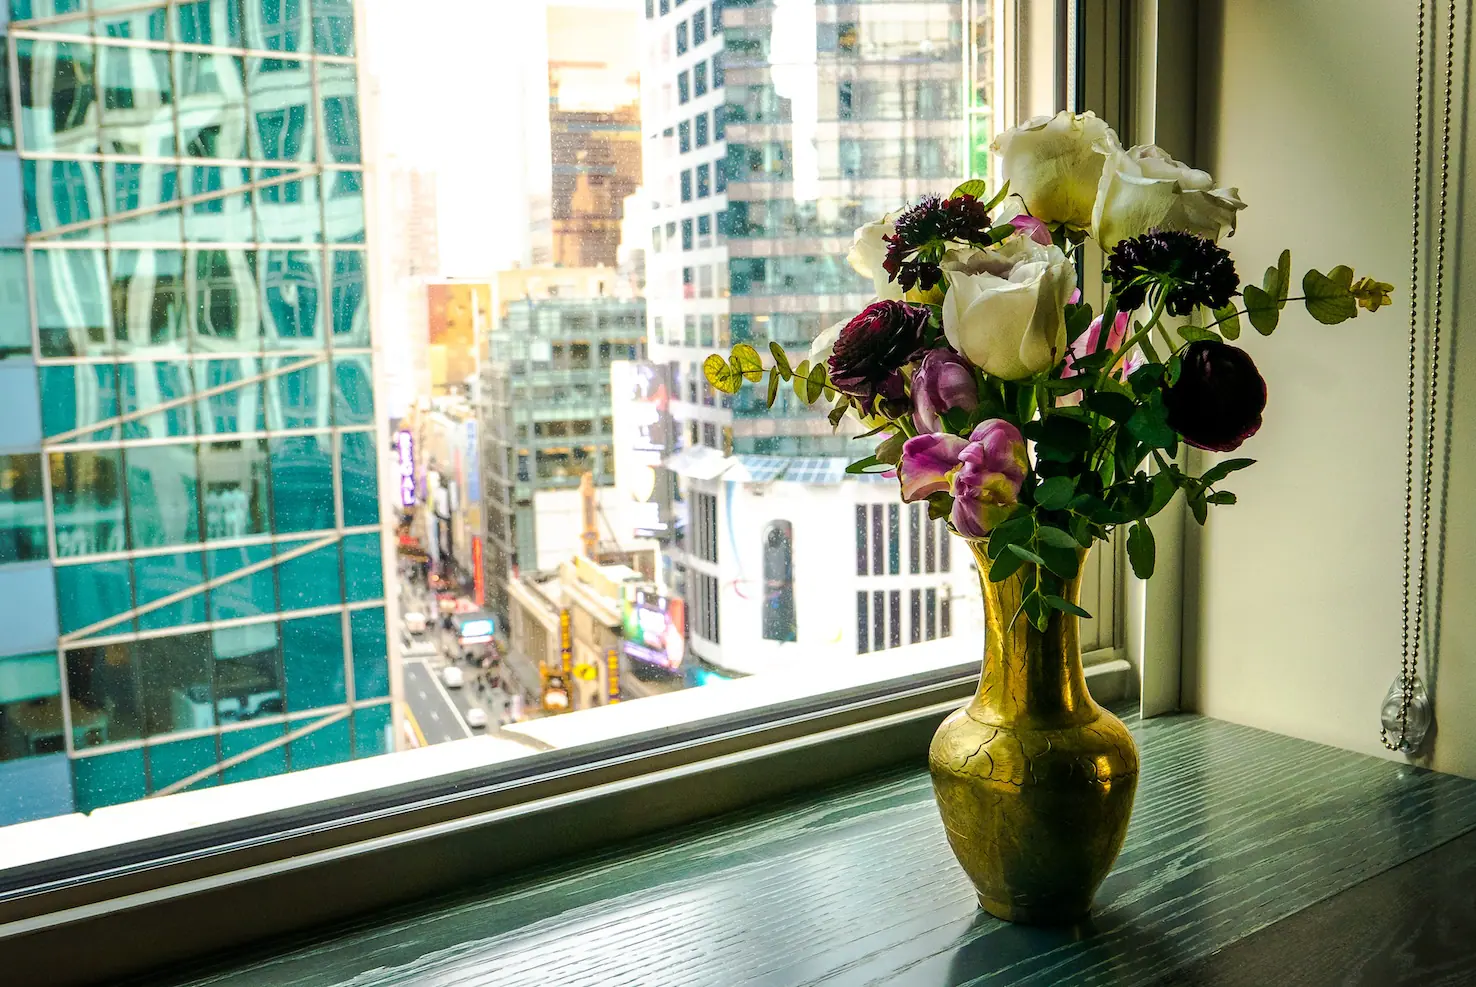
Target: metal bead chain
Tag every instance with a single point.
(1410, 644)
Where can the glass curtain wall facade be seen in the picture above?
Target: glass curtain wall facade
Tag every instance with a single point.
(205, 490)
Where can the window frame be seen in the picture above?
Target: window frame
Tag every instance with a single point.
(433, 833)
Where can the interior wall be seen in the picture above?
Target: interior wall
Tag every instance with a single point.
(1292, 609)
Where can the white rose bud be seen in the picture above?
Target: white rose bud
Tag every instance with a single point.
(1011, 325)
(1051, 164)
(1144, 189)
(869, 250)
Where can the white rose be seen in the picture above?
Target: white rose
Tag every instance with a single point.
(1011, 326)
(1051, 164)
(824, 344)
(869, 250)
(1144, 189)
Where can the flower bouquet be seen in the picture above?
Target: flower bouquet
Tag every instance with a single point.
(1037, 425)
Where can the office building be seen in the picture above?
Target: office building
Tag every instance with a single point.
(771, 133)
(193, 572)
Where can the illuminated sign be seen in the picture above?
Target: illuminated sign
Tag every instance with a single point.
(476, 632)
(405, 444)
(654, 628)
(566, 647)
(612, 663)
(479, 578)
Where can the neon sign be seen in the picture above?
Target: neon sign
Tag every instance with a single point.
(405, 444)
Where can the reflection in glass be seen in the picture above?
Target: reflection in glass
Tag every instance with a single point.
(15, 306)
(372, 731)
(333, 27)
(353, 391)
(349, 299)
(217, 212)
(87, 502)
(274, 25)
(340, 112)
(309, 580)
(141, 201)
(207, 22)
(30, 706)
(302, 483)
(344, 212)
(371, 661)
(148, 299)
(60, 194)
(287, 207)
(251, 595)
(262, 764)
(137, 93)
(76, 395)
(291, 283)
(359, 478)
(175, 680)
(22, 514)
(280, 94)
(232, 409)
(71, 302)
(327, 745)
(248, 675)
(58, 97)
(234, 483)
(158, 576)
(212, 104)
(87, 595)
(172, 762)
(7, 116)
(163, 484)
(104, 694)
(363, 573)
(298, 398)
(225, 300)
(312, 657)
(148, 385)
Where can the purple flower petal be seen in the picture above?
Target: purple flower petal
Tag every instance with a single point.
(926, 462)
(1033, 228)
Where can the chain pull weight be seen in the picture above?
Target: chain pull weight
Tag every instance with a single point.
(1407, 713)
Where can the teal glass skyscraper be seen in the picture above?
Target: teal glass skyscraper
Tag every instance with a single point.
(191, 567)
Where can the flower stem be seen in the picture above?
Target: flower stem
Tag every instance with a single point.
(1135, 338)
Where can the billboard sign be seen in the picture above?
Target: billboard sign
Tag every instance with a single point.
(654, 627)
(405, 447)
(643, 436)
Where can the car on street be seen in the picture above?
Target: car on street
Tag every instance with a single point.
(452, 677)
(476, 718)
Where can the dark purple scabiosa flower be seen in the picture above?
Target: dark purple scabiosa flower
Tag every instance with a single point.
(923, 234)
(1217, 401)
(872, 349)
(1189, 269)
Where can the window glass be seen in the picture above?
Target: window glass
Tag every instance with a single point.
(348, 297)
(211, 104)
(181, 759)
(279, 93)
(343, 206)
(312, 653)
(74, 396)
(372, 731)
(274, 25)
(63, 199)
(287, 206)
(264, 762)
(340, 112)
(302, 483)
(205, 22)
(15, 306)
(158, 576)
(106, 779)
(87, 503)
(235, 488)
(148, 300)
(163, 495)
(362, 568)
(156, 397)
(251, 595)
(176, 682)
(137, 101)
(231, 406)
(333, 26)
(353, 391)
(220, 206)
(58, 95)
(359, 479)
(22, 511)
(30, 706)
(329, 744)
(72, 302)
(298, 398)
(311, 579)
(92, 593)
(291, 292)
(371, 662)
(226, 305)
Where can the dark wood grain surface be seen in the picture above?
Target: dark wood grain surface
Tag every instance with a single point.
(1234, 829)
(1412, 926)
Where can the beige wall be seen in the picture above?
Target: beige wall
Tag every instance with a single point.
(1293, 596)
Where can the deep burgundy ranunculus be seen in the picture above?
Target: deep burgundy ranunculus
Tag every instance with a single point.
(1217, 401)
(872, 348)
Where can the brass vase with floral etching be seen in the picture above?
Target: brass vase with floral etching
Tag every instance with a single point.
(1034, 780)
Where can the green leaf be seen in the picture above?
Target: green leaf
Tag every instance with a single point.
(1055, 537)
(956, 420)
(1149, 425)
(1283, 278)
(1014, 531)
(798, 380)
(1330, 296)
(1059, 437)
(890, 451)
(1078, 320)
(1230, 321)
(1195, 334)
(940, 505)
(720, 375)
(1198, 508)
(745, 360)
(976, 187)
(1223, 497)
(1065, 606)
(1004, 567)
(997, 197)
(1163, 489)
(864, 465)
(773, 387)
(815, 383)
(1109, 404)
(1025, 554)
(1262, 310)
(1140, 550)
(1219, 471)
(837, 412)
(1081, 530)
(781, 359)
(1055, 493)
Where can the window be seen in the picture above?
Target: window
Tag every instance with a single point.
(699, 79)
(684, 87)
(717, 61)
(702, 136)
(687, 186)
(704, 187)
(681, 38)
(22, 511)
(718, 113)
(687, 244)
(684, 136)
(699, 27)
(863, 624)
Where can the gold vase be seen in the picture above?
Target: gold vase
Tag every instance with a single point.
(1034, 780)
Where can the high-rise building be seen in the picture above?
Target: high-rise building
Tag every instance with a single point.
(546, 400)
(773, 130)
(191, 567)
